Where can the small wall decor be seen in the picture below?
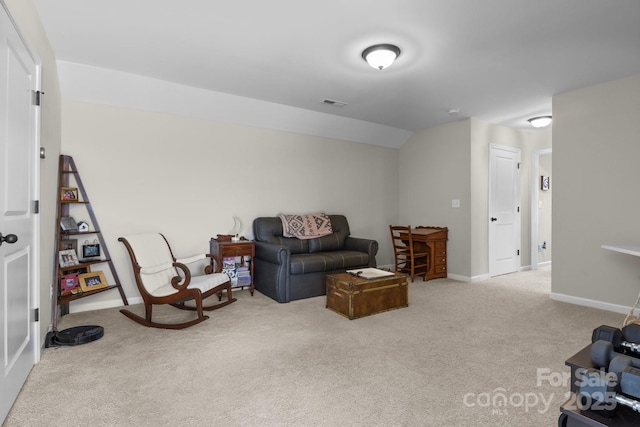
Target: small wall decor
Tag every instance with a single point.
(69, 284)
(69, 194)
(91, 250)
(65, 244)
(545, 183)
(92, 281)
(68, 258)
(68, 224)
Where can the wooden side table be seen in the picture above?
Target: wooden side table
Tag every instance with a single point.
(228, 248)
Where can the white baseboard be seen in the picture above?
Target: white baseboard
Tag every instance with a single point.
(590, 303)
(462, 278)
(457, 277)
(88, 306)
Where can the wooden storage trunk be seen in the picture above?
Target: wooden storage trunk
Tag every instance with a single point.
(355, 297)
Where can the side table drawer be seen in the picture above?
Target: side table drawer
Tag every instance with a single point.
(236, 250)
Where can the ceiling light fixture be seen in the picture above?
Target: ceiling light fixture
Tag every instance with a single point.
(381, 56)
(540, 122)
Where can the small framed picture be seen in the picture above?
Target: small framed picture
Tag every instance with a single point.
(91, 250)
(92, 281)
(68, 258)
(68, 224)
(545, 183)
(69, 194)
(66, 244)
(69, 284)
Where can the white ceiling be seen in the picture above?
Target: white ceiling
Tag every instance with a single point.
(497, 60)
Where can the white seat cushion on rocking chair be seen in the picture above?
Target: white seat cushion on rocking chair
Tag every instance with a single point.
(155, 260)
(204, 283)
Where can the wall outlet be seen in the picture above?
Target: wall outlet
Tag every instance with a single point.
(455, 203)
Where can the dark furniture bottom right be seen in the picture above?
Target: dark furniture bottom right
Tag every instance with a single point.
(572, 416)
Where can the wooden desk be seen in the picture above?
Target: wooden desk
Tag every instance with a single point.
(435, 238)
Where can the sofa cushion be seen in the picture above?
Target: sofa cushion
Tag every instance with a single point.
(332, 242)
(343, 260)
(310, 263)
(327, 261)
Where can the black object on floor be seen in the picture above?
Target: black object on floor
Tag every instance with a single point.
(75, 336)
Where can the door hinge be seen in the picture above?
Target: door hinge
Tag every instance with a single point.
(519, 165)
(36, 206)
(36, 315)
(518, 208)
(36, 97)
(518, 252)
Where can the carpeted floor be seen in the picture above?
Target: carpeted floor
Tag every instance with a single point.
(443, 361)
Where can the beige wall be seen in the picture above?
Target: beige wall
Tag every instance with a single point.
(596, 135)
(187, 178)
(434, 169)
(26, 17)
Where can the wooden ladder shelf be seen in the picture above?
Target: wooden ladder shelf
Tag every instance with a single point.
(69, 180)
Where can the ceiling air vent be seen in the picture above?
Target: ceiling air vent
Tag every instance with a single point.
(334, 103)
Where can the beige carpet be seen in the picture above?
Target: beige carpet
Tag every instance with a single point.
(439, 362)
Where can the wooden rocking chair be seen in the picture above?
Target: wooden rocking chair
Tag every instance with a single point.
(163, 279)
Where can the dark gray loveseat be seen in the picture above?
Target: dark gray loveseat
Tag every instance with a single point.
(287, 268)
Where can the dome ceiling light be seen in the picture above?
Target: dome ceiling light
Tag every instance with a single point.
(381, 56)
(540, 122)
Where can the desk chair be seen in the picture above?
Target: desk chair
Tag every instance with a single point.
(407, 259)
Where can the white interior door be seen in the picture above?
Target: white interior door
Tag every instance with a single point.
(504, 210)
(18, 187)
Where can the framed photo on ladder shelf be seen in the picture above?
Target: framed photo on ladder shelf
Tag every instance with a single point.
(92, 281)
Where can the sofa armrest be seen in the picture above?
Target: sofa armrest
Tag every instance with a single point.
(363, 245)
(271, 268)
(275, 254)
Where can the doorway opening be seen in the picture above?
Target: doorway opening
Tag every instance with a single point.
(541, 204)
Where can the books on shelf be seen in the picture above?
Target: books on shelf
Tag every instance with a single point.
(237, 272)
(244, 280)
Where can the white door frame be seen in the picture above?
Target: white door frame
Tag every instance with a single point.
(535, 198)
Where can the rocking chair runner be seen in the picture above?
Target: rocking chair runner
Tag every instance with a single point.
(163, 279)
